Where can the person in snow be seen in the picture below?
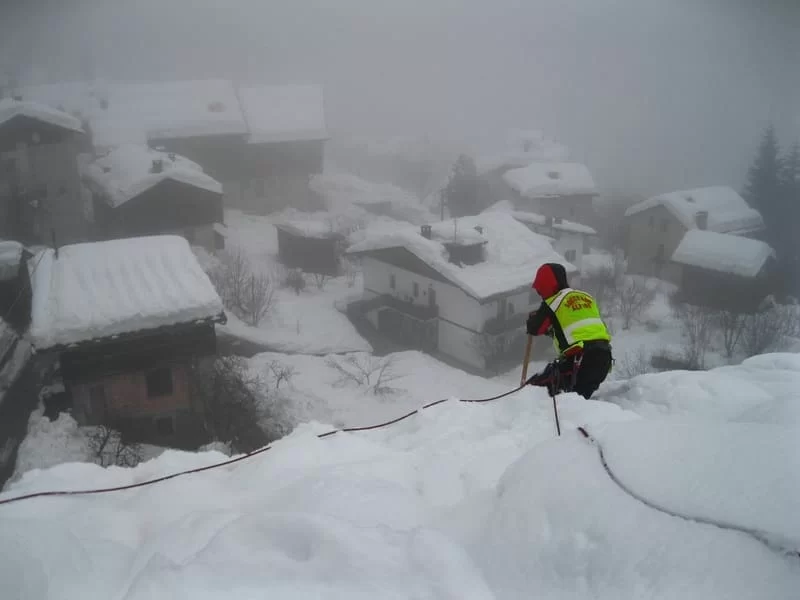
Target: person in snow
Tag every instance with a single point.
(582, 342)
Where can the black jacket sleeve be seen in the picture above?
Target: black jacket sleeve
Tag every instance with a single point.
(539, 321)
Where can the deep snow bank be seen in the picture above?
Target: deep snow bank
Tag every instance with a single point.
(459, 501)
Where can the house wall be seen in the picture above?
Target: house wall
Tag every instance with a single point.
(40, 187)
(310, 254)
(168, 207)
(461, 318)
(651, 234)
(128, 406)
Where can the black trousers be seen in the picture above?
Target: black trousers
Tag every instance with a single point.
(583, 377)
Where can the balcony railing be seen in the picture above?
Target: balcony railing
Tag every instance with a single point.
(503, 324)
(422, 312)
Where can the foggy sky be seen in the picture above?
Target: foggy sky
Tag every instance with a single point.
(652, 94)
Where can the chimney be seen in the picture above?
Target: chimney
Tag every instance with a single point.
(425, 230)
(479, 229)
(158, 166)
(701, 218)
(557, 220)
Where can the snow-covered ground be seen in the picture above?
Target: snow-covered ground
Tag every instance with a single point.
(308, 322)
(458, 501)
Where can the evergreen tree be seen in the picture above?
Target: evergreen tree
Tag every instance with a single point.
(763, 187)
(786, 246)
(462, 192)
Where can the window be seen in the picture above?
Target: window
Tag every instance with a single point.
(510, 307)
(569, 255)
(392, 281)
(97, 402)
(664, 225)
(165, 426)
(660, 253)
(159, 382)
(416, 289)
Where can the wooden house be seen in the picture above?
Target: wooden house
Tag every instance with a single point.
(15, 289)
(311, 246)
(127, 319)
(137, 191)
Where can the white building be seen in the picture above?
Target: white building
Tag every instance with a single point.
(460, 287)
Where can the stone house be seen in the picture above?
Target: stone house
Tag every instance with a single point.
(655, 227)
(41, 196)
(126, 319)
(460, 289)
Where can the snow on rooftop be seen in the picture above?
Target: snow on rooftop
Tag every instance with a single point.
(512, 251)
(722, 252)
(125, 172)
(727, 211)
(101, 289)
(124, 112)
(318, 224)
(547, 179)
(521, 148)
(281, 113)
(507, 206)
(10, 108)
(10, 257)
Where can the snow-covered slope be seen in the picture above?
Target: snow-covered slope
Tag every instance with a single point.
(459, 501)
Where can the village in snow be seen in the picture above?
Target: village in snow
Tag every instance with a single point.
(194, 271)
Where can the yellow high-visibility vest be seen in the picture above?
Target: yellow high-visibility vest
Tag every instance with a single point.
(577, 320)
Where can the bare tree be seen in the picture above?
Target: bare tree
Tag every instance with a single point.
(633, 363)
(350, 271)
(731, 326)
(320, 279)
(602, 285)
(696, 327)
(111, 447)
(258, 299)
(281, 373)
(367, 371)
(768, 329)
(248, 295)
(294, 279)
(233, 403)
(634, 297)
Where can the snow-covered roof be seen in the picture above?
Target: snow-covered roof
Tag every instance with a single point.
(10, 257)
(521, 148)
(10, 108)
(512, 251)
(125, 172)
(318, 224)
(727, 211)
(102, 289)
(722, 252)
(549, 179)
(284, 113)
(125, 112)
(531, 218)
(135, 112)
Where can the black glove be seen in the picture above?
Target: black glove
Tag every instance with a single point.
(531, 325)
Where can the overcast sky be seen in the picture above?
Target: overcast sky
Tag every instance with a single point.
(652, 94)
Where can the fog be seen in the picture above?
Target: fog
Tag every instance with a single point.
(652, 94)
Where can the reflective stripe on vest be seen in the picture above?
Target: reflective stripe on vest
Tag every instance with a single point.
(578, 324)
(555, 302)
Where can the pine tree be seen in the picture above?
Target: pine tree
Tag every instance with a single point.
(462, 192)
(786, 246)
(763, 187)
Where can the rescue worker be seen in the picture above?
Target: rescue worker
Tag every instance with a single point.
(582, 342)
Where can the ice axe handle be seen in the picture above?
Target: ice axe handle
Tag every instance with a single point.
(526, 360)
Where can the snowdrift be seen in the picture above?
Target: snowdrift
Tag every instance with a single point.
(458, 501)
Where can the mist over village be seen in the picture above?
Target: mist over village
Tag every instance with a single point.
(442, 299)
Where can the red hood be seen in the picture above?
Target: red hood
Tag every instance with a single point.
(550, 279)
